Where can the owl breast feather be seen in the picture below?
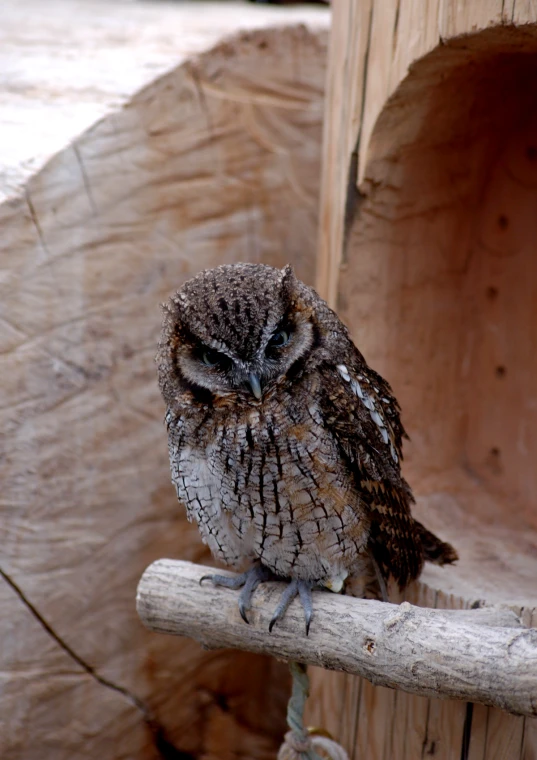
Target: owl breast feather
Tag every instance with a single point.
(271, 487)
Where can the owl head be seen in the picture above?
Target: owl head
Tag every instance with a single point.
(238, 329)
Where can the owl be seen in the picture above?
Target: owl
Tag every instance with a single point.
(285, 446)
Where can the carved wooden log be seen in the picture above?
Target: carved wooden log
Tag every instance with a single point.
(133, 153)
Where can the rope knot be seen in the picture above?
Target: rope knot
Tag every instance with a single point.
(298, 743)
(317, 747)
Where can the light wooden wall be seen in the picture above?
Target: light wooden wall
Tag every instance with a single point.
(426, 249)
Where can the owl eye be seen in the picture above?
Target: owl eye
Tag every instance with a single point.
(213, 358)
(279, 339)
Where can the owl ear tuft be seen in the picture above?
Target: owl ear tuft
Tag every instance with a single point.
(288, 283)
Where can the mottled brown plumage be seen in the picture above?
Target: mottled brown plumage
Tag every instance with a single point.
(284, 445)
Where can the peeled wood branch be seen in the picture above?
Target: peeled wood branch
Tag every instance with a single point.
(482, 655)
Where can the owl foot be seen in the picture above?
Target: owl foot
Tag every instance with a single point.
(295, 588)
(248, 581)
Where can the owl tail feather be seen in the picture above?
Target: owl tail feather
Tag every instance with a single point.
(435, 550)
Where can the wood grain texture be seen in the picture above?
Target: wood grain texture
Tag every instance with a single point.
(328, 696)
(437, 283)
(445, 721)
(372, 48)
(462, 654)
(350, 37)
(215, 159)
(65, 65)
(409, 718)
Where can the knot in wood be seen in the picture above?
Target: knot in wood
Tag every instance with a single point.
(403, 613)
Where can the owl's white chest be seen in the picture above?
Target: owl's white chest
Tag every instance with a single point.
(197, 485)
(198, 482)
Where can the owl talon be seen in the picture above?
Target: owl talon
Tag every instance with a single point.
(248, 581)
(254, 576)
(242, 610)
(294, 589)
(304, 589)
(228, 581)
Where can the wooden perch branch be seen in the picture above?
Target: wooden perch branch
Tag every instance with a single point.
(482, 655)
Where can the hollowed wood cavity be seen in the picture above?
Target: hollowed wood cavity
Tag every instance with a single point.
(440, 292)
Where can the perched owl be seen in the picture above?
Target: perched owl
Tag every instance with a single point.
(285, 447)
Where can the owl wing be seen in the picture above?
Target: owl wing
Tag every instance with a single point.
(364, 418)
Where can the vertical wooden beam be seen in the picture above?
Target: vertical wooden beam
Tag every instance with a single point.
(347, 69)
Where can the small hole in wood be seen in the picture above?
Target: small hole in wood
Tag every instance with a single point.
(221, 701)
(494, 462)
(503, 222)
(531, 152)
(501, 371)
(492, 293)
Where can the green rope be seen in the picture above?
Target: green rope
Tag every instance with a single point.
(299, 743)
(295, 711)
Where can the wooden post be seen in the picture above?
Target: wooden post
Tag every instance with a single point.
(429, 192)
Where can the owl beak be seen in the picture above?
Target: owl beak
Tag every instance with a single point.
(255, 385)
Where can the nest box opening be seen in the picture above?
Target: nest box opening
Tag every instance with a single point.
(440, 292)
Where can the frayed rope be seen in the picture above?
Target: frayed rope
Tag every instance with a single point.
(299, 743)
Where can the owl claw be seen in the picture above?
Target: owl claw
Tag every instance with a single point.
(228, 581)
(248, 581)
(294, 589)
(254, 576)
(242, 610)
(251, 579)
(304, 589)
